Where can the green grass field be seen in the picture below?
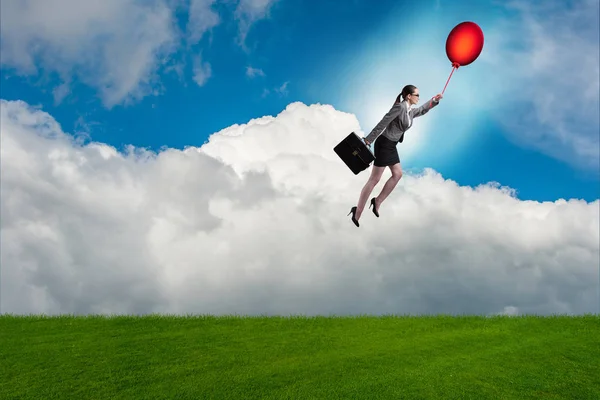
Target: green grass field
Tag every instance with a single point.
(390, 357)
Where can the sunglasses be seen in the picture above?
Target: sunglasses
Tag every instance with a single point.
(416, 95)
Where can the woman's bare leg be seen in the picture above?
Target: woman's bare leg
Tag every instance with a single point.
(389, 185)
(376, 173)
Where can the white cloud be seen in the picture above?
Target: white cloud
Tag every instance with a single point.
(509, 311)
(202, 18)
(546, 62)
(202, 71)
(254, 222)
(282, 90)
(253, 72)
(247, 13)
(114, 46)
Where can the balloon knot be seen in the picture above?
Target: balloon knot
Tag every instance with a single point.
(455, 65)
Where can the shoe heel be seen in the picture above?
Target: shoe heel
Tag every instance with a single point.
(374, 210)
(353, 212)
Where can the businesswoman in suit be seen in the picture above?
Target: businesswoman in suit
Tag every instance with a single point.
(396, 122)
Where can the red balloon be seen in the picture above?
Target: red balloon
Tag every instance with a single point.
(464, 43)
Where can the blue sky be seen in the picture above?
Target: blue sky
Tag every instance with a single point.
(356, 57)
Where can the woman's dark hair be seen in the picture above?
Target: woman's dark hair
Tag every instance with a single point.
(408, 89)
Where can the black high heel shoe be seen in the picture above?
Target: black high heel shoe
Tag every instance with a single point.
(374, 210)
(353, 212)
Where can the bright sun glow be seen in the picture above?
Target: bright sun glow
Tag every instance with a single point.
(421, 60)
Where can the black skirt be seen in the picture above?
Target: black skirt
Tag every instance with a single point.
(386, 152)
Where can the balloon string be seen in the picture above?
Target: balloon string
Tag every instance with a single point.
(453, 68)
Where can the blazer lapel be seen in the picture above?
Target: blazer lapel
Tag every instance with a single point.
(405, 120)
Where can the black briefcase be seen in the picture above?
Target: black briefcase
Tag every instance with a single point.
(354, 153)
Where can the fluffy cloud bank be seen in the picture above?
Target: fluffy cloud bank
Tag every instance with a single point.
(254, 222)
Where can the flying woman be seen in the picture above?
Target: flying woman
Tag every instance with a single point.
(396, 122)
